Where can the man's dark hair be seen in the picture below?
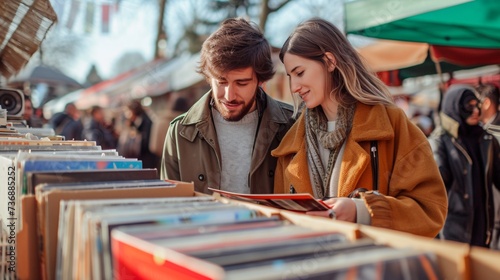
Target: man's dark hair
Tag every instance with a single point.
(236, 44)
(136, 107)
(490, 91)
(69, 106)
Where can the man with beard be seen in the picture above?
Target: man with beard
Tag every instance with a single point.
(224, 140)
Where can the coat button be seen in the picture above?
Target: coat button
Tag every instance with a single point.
(271, 173)
(465, 171)
(201, 177)
(466, 196)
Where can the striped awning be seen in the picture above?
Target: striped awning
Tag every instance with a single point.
(23, 26)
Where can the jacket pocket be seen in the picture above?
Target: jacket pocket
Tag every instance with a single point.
(457, 203)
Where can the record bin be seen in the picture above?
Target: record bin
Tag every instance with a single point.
(454, 260)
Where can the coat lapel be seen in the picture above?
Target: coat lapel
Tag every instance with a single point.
(354, 163)
(370, 123)
(269, 125)
(197, 120)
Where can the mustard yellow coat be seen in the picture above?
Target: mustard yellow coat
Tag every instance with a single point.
(412, 194)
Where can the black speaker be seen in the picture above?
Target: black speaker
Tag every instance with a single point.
(12, 100)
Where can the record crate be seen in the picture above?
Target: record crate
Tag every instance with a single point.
(454, 260)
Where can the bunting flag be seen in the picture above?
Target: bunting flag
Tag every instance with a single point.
(105, 18)
(89, 17)
(117, 5)
(73, 12)
(107, 8)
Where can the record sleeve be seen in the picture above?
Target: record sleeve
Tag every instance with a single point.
(35, 178)
(190, 244)
(246, 254)
(378, 262)
(300, 202)
(138, 259)
(157, 231)
(33, 165)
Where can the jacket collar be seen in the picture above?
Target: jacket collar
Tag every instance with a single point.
(199, 112)
(369, 123)
(448, 124)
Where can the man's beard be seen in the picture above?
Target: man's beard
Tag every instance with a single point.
(234, 116)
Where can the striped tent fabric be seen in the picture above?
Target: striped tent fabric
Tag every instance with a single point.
(23, 26)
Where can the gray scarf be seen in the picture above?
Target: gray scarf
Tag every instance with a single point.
(317, 128)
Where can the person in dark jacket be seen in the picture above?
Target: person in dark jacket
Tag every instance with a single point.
(67, 123)
(95, 129)
(224, 141)
(468, 158)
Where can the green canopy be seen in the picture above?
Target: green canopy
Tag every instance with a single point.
(428, 67)
(459, 23)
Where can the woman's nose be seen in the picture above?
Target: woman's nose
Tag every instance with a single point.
(295, 87)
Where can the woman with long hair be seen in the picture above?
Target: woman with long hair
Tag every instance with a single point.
(351, 146)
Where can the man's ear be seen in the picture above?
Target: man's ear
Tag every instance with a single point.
(486, 104)
(330, 61)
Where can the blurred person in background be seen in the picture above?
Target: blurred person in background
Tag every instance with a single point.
(423, 122)
(224, 141)
(136, 134)
(469, 162)
(162, 122)
(29, 116)
(67, 123)
(96, 129)
(490, 117)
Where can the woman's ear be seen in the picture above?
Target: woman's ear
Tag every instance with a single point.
(330, 61)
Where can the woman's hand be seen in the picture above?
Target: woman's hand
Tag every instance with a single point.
(343, 207)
